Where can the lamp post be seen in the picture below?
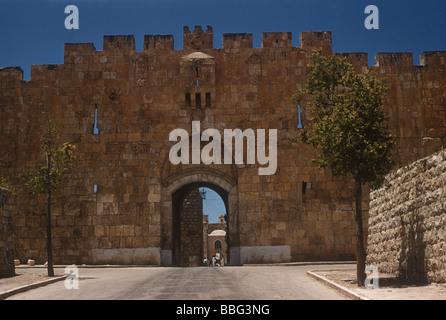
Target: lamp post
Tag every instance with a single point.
(203, 194)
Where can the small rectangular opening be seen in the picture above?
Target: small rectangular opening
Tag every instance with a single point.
(304, 188)
(208, 100)
(198, 100)
(188, 100)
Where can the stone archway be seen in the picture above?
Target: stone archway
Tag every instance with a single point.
(175, 187)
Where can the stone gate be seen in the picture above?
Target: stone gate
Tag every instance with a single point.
(118, 106)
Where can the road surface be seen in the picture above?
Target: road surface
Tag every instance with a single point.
(201, 283)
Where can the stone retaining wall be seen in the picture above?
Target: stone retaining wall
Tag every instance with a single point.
(7, 268)
(407, 222)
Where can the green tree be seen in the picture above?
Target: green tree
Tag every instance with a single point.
(49, 172)
(4, 183)
(348, 126)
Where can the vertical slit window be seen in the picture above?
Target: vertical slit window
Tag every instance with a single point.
(198, 100)
(208, 100)
(95, 129)
(299, 125)
(304, 194)
(188, 101)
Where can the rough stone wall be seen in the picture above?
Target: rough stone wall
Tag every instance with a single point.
(7, 268)
(140, 97)
(407, 224)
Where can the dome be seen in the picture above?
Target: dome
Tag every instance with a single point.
(218, 233)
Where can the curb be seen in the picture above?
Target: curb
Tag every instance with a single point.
(27, 287)
(86, 266)
(345, 291)
(296, 264)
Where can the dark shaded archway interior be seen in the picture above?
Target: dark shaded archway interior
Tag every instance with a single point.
(177, 207)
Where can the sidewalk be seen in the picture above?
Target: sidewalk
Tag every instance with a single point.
(26, 279)
(390, 288)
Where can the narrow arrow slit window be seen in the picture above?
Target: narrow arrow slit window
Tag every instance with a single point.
(95, 129)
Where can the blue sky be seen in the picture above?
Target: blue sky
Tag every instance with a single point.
(33, 32)
(213, 205)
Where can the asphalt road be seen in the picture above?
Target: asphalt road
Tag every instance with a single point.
(202, 283)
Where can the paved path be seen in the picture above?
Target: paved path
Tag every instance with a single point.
(232, 283)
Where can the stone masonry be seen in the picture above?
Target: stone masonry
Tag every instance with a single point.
(191, 230)
(407, 224)
(121, 201)
(7, 268)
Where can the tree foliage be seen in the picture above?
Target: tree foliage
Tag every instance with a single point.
(348, 123)
(50, 170)
(4, 183)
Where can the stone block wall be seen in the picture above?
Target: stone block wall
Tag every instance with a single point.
(407, 222)
(191, 228)
(7, 268)
(118, 204)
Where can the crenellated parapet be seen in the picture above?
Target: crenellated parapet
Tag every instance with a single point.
(397, 59)
(158, 42)
(119, 43)
(276, 39)
(237, 41)
(11, 74)
(275, 45)
(198, 39)
(433, 58)
(316, 41)
(202, 40)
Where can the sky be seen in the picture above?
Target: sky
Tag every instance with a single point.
(213, 205)
(32, 32)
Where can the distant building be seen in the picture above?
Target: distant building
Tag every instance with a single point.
(214, 240)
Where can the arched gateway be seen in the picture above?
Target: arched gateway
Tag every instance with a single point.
(176, 249)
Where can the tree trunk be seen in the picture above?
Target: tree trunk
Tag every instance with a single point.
(360, 248)
(49, 246)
